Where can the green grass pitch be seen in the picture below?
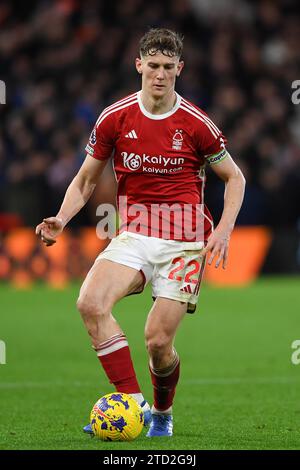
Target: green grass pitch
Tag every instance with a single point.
(238, 387)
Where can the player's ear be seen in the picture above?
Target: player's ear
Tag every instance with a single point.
(179, 67)
(138, 64)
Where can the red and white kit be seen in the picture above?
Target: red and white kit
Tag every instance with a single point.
(159, 164)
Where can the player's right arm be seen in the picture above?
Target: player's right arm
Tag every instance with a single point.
(77, 195)
(99, 150)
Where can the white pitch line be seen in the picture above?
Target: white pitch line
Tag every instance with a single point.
(242, 380)
(200, 381)
(42, 384)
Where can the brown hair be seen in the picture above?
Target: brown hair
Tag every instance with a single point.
(161, 40)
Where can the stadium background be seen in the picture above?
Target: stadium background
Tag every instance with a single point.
(62, 63)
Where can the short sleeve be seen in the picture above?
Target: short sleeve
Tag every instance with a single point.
(210, 141)
(102, 139)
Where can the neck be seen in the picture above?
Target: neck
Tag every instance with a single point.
(158, 105)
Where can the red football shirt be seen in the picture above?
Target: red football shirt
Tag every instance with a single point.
(159, 164)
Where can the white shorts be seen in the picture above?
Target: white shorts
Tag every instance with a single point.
(174, 268)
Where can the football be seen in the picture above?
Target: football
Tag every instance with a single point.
(117, 417)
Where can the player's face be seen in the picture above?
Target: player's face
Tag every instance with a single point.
(159, 73)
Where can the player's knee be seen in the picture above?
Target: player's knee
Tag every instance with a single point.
(157, 344)
(90, 308)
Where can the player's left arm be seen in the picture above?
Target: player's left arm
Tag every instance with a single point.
(218, 241)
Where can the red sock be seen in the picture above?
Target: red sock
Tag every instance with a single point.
(114, 355)
(164, 384)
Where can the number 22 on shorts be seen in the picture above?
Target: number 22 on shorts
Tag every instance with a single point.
(180, 267)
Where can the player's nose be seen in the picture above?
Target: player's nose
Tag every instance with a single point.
(160, 74)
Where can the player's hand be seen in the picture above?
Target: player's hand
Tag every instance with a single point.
(49, 230)
(217, 245)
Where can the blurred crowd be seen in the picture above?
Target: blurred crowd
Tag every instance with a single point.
(63, 61)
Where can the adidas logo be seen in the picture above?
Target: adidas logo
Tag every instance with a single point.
(131, 135)
(186, 288)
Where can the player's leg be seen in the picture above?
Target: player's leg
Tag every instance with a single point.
(164, 364)
(176, 282)
(105, 284)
